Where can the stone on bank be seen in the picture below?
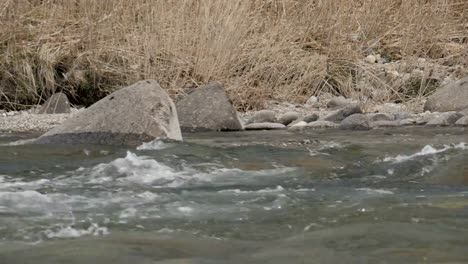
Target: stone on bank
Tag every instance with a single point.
(208, 108)
(132, 115)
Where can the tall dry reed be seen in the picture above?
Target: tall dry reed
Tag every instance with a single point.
(260, 49)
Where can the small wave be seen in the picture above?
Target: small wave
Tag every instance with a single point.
(266, 190)
(375, 191)
(18, 142)
(143, 170)
(134, 169)
(70, 232)
(325, 146)
(427, 150)
(153, 145)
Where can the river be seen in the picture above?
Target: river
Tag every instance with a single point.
(388, 196)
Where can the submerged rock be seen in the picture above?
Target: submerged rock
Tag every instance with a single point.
(208, 108)
(356, 122)
(445, 119)
(263, 116)
(129, 116)
(57, 104)
(288, 118)
(264, 126)
(343, 113)
(452, 97)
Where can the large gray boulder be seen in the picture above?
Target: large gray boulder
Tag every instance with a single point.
(452, 97)
(57, 104)
(445, 119)
(129, 116)
(208, 108)
(356, 122)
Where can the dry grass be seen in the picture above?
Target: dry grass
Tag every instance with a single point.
(260, 49)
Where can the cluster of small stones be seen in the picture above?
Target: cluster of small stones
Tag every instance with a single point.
(342, 113)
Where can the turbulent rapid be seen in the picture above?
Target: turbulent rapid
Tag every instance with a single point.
(219, 198)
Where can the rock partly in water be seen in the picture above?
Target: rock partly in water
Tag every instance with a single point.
(310, 118)
(390, 108)
(298, 125)
(340, 115)
(402, 115)
(356, 122)
(408, 122)
(208, 108)
(380, 117)
(462, 121)
(338, 102)
(384, 123)
(464, 112)
(321, 124)
(288, 118)
(452, 97)
(263, 116)
(132, 115)
(57, 104)
(445, 119)
(264, 126)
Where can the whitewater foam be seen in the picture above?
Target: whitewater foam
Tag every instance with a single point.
(70, 232)
(426, 151)
(153, 145)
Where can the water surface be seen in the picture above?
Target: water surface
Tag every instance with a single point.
(397, 196)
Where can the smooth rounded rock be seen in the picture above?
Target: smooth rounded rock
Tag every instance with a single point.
(264, 126)
(451, 97)
(341, 114)
(132, 115)
(263, 116)
(288, 118)
(310, 118)
(445, 119)
(374, 117)
(338, 102)
(356, 122)
(208, 108)
(384, 123)
(57, 104)
(462, 121)
(321, 124)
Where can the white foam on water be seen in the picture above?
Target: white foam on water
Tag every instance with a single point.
(70, 232)
(375, 191)
(32, 185)
(134, 169)
(153, 145)
(18, 142)
(324, 146)
(278, 189)
(426, 151)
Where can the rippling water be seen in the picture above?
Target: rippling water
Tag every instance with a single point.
(238, 197)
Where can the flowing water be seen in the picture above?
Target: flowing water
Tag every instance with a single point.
(267, 197)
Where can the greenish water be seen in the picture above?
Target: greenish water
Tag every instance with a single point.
(322, 197)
